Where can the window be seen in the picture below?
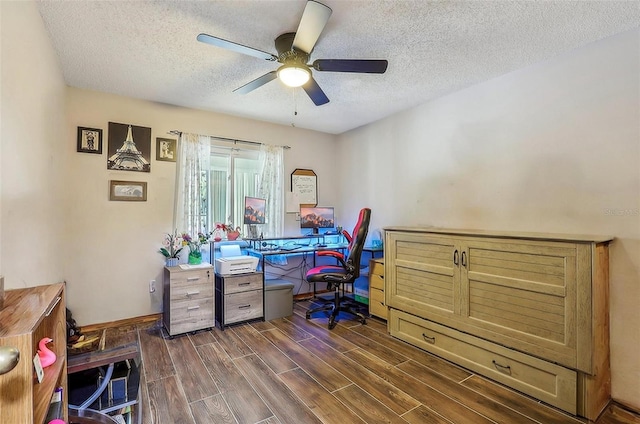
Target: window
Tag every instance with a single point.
(234, 174)
(212, 181)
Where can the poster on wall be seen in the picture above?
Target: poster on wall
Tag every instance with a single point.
(129, 148)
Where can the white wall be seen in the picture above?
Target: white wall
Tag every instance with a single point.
(32, 162)
(551, 148)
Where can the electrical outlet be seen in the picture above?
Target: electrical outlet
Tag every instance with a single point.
(152, 286)
(297, 216)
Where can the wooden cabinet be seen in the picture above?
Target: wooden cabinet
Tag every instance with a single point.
(530, 311)
(188, 299)
(377, 305)
(29, 315)
(239, 298)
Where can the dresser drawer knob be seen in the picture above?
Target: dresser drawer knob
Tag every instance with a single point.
(193, 278)
(502, 368)
(244, 306)
(192, 308)
(193, 293)
(428, 339)
(244, 284)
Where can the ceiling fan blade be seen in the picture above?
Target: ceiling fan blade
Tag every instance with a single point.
(314, 18)
(258, 82)
(351, 65)
(315, 92)
(238, 48)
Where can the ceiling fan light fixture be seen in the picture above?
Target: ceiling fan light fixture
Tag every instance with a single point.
(294, 75)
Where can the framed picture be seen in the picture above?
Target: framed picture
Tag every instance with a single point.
(166, 149)
(130, 191)
(90, 140)
(129, 148)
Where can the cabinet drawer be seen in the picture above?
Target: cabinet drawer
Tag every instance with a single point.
(191, 315)
(376, 281)
(242, 282)
(200, 289)
(194, 276)
(543, 380)
(243, 306)
(376, 303)
(376, 266)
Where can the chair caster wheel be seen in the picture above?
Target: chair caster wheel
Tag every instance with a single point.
(332, 323)
(308, 316)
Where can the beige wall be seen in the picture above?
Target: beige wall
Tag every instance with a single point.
(32, 162)
(551, 148)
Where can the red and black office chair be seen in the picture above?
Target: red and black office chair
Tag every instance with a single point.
(346, 272)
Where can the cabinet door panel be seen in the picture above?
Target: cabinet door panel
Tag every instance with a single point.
(524, 294)
(424, 275)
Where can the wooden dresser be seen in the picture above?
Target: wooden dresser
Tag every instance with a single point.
(29, 315)
(188, 303)
(239, 298)
(527, 310)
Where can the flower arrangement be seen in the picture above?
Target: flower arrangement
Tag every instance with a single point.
(195, 243)
(171, 246)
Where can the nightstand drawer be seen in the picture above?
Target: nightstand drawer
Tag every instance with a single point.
(193, 276)
(376, 281)
(191, 315)
(376, 303)
(376, 266)
(243, 306)
(242, 282)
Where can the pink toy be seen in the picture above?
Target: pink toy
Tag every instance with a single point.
(47, 357)
(57, 421)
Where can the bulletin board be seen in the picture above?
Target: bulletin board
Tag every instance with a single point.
(304, 187)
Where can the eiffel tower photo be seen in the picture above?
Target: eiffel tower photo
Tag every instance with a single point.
(129, 157)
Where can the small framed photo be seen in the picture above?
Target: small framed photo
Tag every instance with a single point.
(90, 140)
(131, 191)
(166, 149)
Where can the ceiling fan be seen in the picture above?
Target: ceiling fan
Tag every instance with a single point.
(294, 50)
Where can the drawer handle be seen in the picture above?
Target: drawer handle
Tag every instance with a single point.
(502, 368)
(193, 293)
(428, 339)
(192, 308)
(464, 259)
(455, 257)
(244, 284)
(193, 278)
(244, 306)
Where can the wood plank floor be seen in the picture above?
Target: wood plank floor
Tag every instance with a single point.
(293, 370)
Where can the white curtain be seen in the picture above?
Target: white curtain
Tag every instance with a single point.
(271, 187)
(193, 162)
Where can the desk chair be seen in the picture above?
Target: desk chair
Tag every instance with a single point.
(336, 276)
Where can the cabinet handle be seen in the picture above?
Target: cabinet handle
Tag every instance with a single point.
(191, 308)
(243, 284)
(193, 293)
(502, 368)
(53, 306)
(455, 257)
(428, 339)
(464, 259)
(244, 306)
(193, 278)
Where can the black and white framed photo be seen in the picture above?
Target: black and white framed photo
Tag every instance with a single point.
(166, 149)
(130, 191)
(90, 140)
(129, 148)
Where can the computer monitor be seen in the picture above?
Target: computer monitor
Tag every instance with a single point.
(254, 209)
(317, 217)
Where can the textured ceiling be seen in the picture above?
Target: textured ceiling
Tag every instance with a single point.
(148, 50)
